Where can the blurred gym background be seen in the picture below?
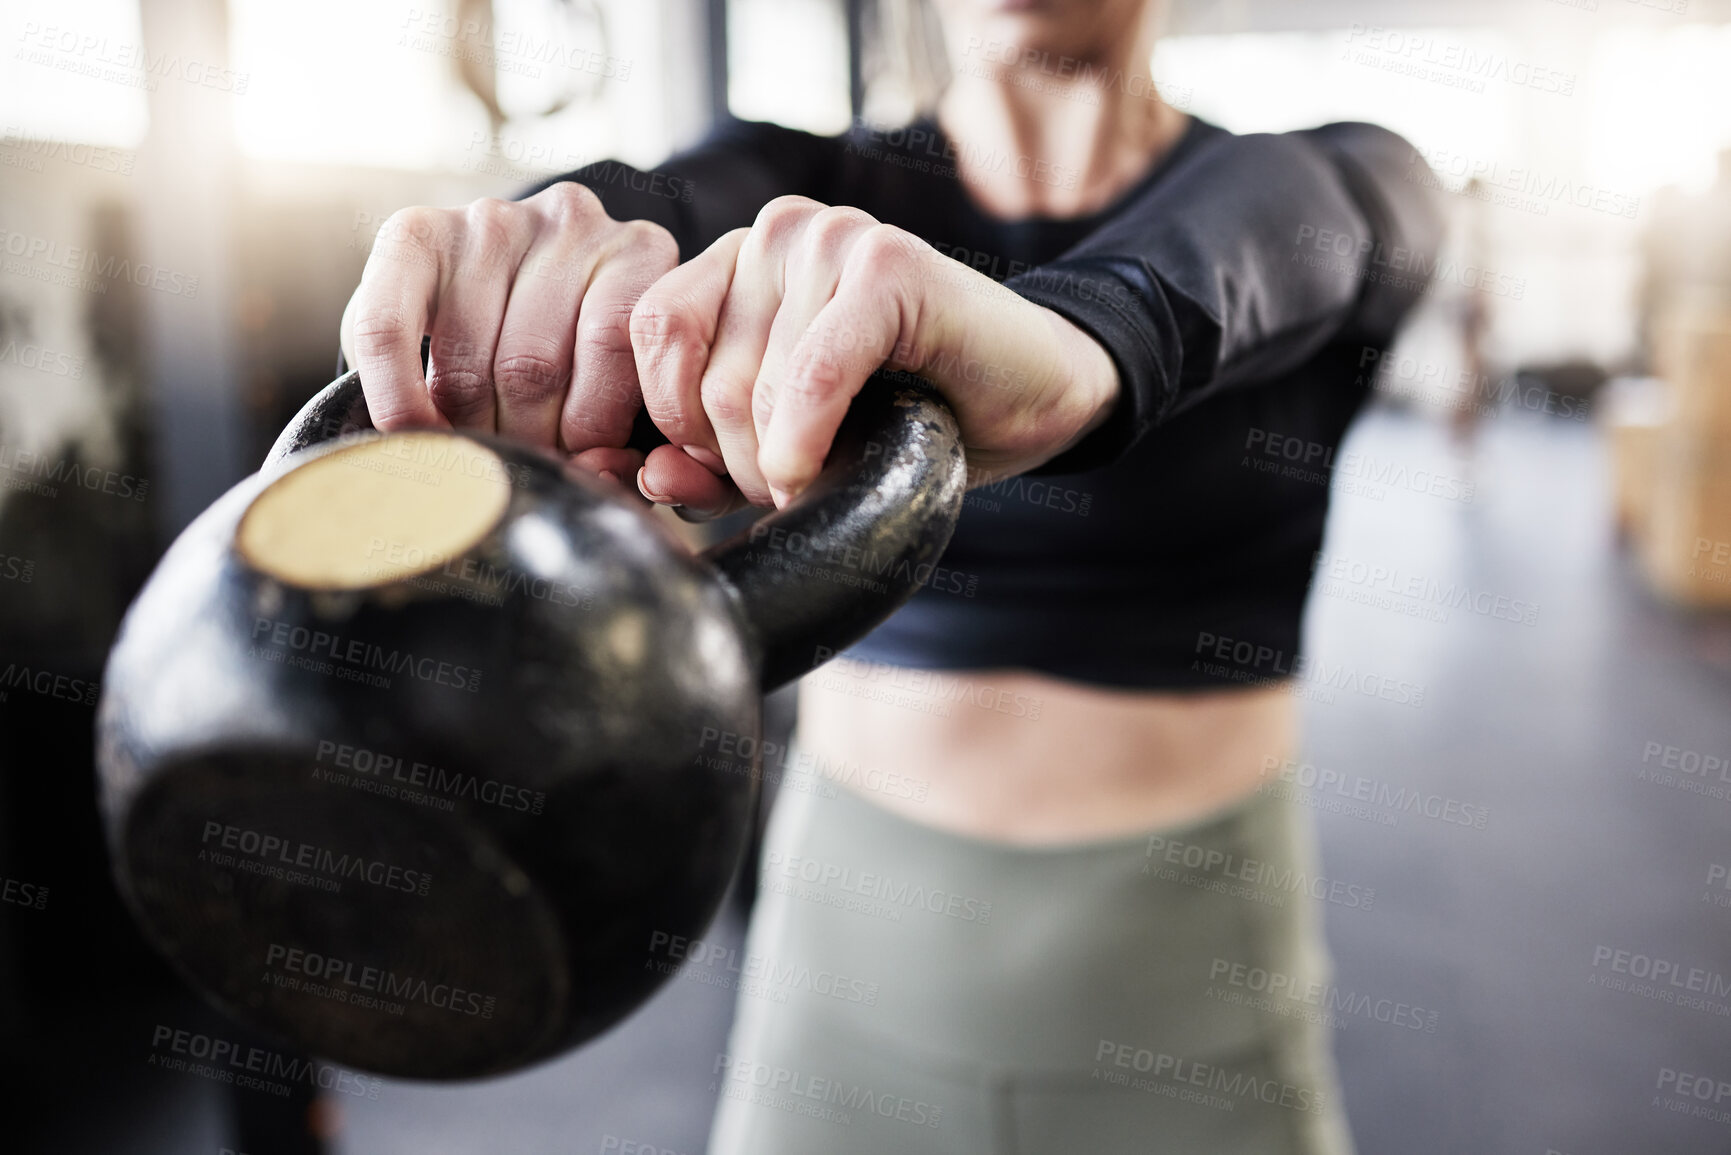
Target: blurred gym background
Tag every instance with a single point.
(189, 190)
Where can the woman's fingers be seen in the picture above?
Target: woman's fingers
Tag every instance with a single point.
(389, 313)
(803, 305)
(672, 330)
(671, 476)
(855, 332)
(465, 330)
(812, 269)
(725, 389)
(618, 467)
(472, 300)
(699, 335)
(728, 386)
(529, 308)
(605, 393)
(529, 372)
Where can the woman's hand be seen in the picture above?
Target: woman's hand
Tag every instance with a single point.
(529, 307)
(750, 353)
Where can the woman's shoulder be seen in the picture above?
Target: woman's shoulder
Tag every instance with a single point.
(1337, 145)
(770, 138)
(1362, 137)
(1336, 138)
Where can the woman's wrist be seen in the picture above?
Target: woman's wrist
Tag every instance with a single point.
(1094, 387)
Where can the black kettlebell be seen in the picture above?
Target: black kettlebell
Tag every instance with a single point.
(412, 745)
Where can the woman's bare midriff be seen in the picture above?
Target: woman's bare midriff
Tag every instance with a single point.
(1021, 758)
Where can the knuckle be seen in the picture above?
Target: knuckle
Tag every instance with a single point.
(459, 389)
(650, 240)
(415, 224)
(388, 417)
(762, 407)
(491, 209)
(571, 203)
(830, 228)
(726, 402)
(790, 204)
(416, 236)
(605, 326)
(680, 428)
(659, 320)
(494, 226)
(586, 425)
(381, 328)
(781, 217)
(528, 376)
(813, 378)
(884, 250)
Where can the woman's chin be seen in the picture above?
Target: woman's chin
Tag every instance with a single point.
(1026, 26)
(1021, 11)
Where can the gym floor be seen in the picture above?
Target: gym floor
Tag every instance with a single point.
(1499, 938)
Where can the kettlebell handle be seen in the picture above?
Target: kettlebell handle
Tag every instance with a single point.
(819, 575)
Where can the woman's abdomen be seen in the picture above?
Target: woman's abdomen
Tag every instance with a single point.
(1023, 758)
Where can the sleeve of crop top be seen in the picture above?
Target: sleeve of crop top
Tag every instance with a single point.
(715, 187)
(1239, 264)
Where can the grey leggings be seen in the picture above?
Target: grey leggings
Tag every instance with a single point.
(911, 991)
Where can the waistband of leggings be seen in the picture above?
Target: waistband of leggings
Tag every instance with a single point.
(1223, 825)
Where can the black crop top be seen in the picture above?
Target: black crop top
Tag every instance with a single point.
(1240, 286)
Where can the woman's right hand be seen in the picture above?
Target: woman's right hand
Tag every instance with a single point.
(528, 304)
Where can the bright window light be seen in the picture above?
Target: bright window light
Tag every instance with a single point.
(75, 72)
(787, 63)
(343, 82)
(375, 83)
(1279, 82)
(1661, 106)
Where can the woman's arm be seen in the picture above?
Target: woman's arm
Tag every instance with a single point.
(1239, 264)
(1244, 259)
(750, 353)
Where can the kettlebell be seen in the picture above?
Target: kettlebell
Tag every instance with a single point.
(413, 745)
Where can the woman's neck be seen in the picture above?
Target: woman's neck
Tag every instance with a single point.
(1056, 136)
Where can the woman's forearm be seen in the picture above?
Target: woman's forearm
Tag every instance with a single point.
(1240, 264)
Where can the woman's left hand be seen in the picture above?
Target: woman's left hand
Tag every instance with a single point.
(750, 353)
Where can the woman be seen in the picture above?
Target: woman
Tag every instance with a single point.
(1035, 939)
